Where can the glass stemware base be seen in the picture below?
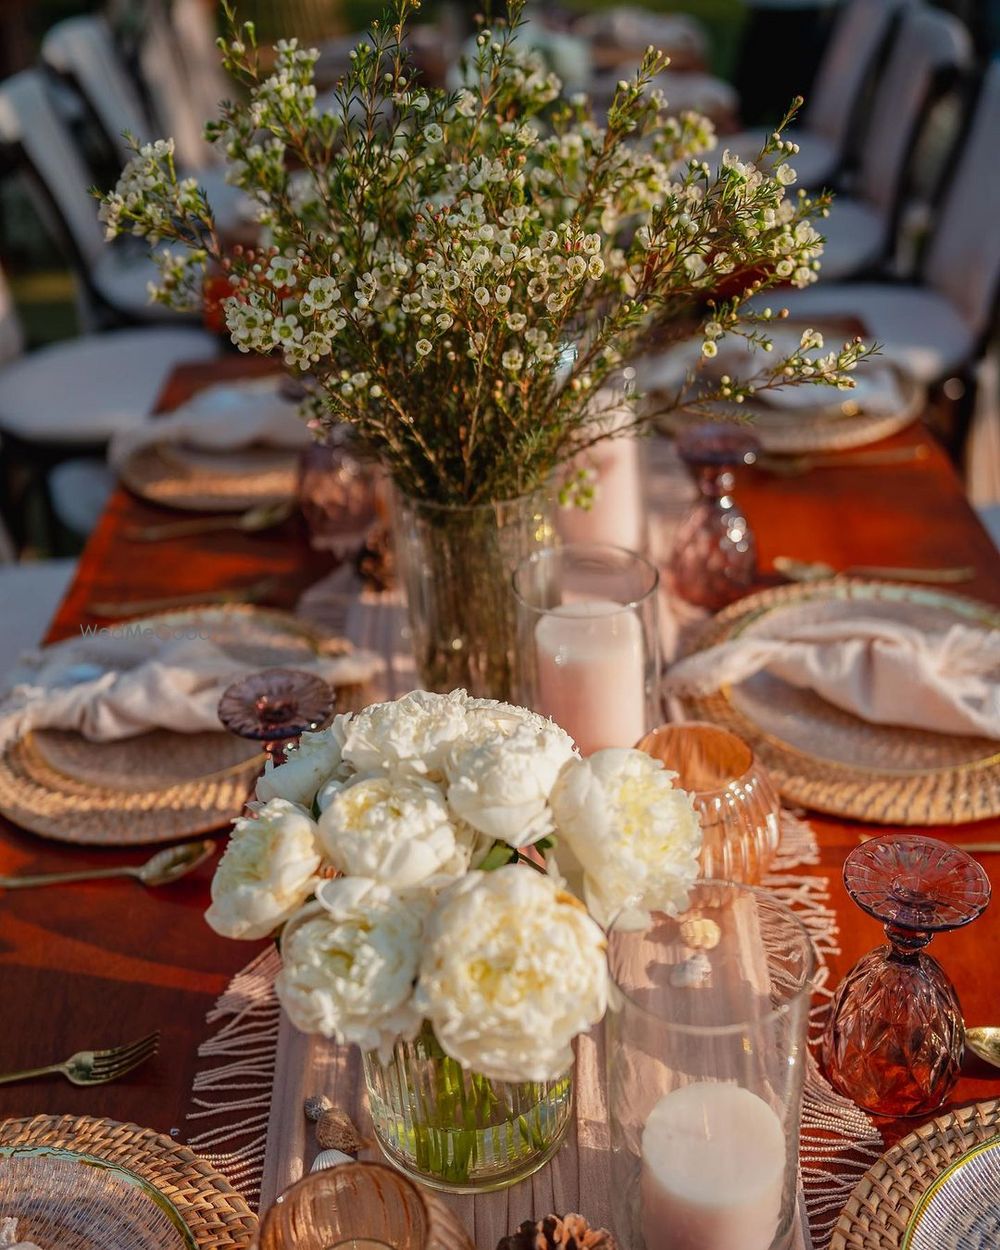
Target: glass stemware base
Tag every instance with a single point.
(895, 1037)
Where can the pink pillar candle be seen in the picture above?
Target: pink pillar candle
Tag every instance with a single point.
(592, 673)
(713, 1166)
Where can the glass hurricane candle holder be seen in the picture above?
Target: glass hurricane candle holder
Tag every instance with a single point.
(275, 706)
(739, 807)
(714, 559)
(894, 1039)
(588, 642)
(360, 1206)
(706, 1046)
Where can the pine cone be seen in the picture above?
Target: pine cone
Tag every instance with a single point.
(558, 1232)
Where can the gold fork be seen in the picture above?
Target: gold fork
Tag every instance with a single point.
(95, 1067)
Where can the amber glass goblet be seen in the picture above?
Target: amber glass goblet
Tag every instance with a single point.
(275, 706)
(894, 1039)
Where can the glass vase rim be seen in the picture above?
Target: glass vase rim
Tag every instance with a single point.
(754, 765)
(562, 549)
(432, 505)
(777, 1012)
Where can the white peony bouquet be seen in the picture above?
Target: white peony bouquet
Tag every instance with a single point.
(392, 847)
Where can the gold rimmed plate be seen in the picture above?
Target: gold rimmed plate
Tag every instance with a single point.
(196, 480)
(961, 1210)
(823, 757)
(198, 1209)
(78, 1201)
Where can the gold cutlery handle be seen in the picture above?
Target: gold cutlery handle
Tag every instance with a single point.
(139, 607)
(30, 1073)
(964, 573)
(62, 878)
(179, 529)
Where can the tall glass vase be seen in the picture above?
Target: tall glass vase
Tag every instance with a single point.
(458, 1130)
(456, 564)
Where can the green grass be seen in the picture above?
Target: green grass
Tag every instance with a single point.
(46, 305)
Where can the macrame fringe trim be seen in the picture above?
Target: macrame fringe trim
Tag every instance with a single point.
(838, 1141)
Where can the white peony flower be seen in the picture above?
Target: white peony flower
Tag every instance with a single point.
(513, 969)
(267, 872)
(411, 734)
(308, 766)
(635, 836)
(501, 784)
(350, 963)
(396, 830)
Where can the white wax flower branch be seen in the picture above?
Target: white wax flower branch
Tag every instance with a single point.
(422, 807)
(427, 255)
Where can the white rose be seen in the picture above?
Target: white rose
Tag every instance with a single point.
(396, 830)
(307, 766)
(501, 785)
(350, 963)
(411, 734)
(267, 872)
(513, 969)
(635, 836)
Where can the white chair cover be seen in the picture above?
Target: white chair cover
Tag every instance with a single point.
(929, 42)
(83, 49)
(195, 32)
(963, 261)
(29, 596)
(79, 490)
(171, 96)
(29, 119)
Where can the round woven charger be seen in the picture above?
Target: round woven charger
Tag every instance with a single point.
(216, 1214)
(245, 479)
(883, 1201)
(898, 775)
(156, 787)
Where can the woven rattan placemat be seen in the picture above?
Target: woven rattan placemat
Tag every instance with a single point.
(215, 1213)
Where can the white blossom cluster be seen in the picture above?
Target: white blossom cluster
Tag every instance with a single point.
(386, 846)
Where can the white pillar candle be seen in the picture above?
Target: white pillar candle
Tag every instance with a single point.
(591, 673)
(713, 1166)
(617, 514)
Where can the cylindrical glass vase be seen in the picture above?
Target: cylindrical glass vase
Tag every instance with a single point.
(589, 644)
(706, 1058)
(458, 1130)
(455, 564)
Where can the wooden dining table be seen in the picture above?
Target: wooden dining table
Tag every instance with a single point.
(99, 963)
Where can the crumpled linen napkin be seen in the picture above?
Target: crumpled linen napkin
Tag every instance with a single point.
(116, 684)
(227, 417)
(881, 670)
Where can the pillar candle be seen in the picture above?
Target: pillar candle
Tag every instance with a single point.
(618, 514)
(713, 1165)
(591, 673)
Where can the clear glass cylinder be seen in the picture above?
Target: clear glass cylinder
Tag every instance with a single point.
(589, 643)
(360, 1206)
(738, 805)
(706, 1045)
(455, 564)
(458, 1130)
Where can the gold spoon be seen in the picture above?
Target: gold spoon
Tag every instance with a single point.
(818, 571)
(984, 1041)
(798, 466)
(262, 517)
(252, 593)
(160, 869)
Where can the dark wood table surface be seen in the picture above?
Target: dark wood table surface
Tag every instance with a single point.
(96, 964)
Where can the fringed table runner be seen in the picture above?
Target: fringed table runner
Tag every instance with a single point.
(247, 1114)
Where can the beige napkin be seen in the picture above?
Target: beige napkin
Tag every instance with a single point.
(881, 670)
(117, 684)
(227, 417)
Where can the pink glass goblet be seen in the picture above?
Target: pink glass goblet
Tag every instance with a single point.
(895, 1037)
(275, 706)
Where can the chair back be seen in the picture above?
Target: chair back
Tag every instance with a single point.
(858, 36)
(195, 32)
(82, 49)
(11, 336)
(963, 260)
(930, 47)
(30, 122)
(170, 94)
